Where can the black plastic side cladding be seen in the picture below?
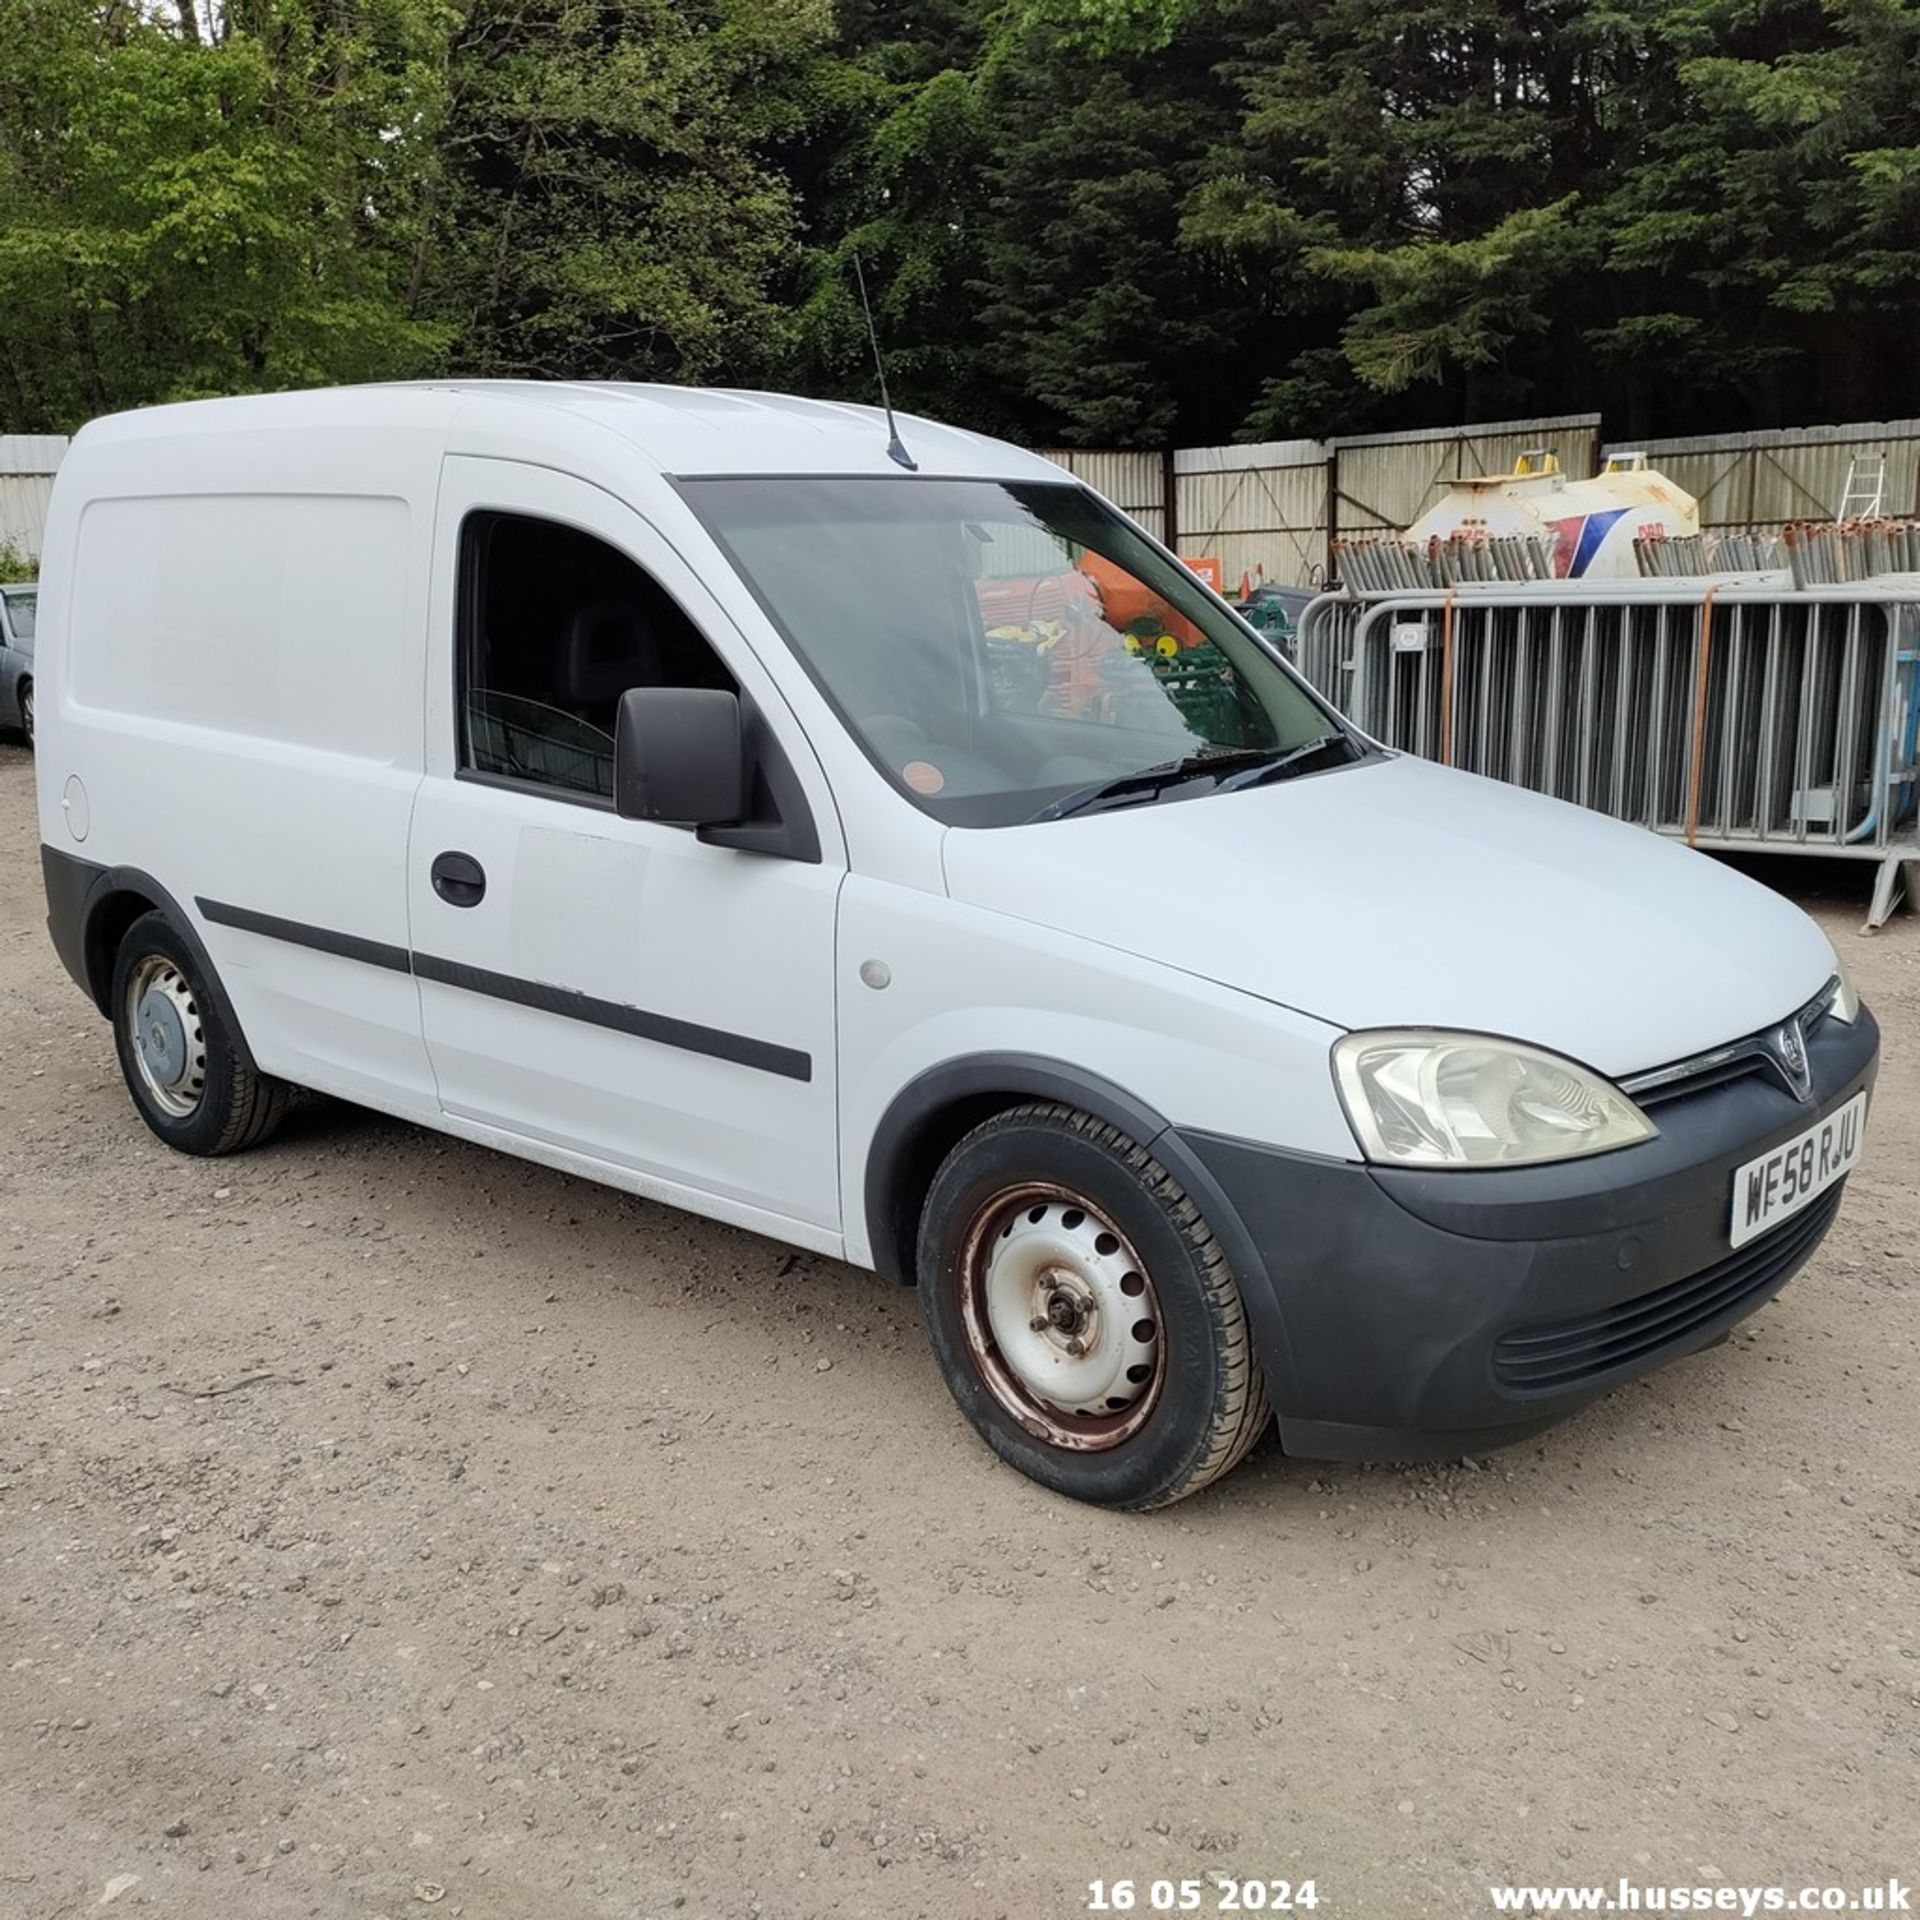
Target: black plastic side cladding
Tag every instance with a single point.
(70, 884)
(991, 1081)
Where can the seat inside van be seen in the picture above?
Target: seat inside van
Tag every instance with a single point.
(557, 625)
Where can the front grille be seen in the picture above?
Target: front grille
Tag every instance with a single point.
(1572, 1353)
(1752, 1053)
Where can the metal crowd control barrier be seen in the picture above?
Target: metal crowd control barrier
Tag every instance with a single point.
(1736, 715)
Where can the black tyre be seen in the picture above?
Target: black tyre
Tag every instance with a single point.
(1083, 1313)
(26, 710)
(189, 1073)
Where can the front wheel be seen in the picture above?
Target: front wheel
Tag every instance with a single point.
(26, 710)
(189, 1072)
(1084, 1314)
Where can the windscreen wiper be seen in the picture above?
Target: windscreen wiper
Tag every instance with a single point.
(1295, 760)
(1149, 781)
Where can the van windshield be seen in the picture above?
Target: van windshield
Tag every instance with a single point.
(1009, 650)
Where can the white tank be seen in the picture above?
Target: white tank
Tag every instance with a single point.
(1587, 527)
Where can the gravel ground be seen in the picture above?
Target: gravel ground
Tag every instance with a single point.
(388, 1527)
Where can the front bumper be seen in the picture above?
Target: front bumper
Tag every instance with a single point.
(1418, 1315)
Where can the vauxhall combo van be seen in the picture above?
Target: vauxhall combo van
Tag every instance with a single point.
(886, 846)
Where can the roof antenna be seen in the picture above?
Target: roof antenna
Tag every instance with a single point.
(896, 452)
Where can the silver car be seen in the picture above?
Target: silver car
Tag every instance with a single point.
(17, 608)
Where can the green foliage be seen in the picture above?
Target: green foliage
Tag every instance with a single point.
(906, 209)
(606, 214)
(1107, 329)
(1015, 186)
(1098, 221)
(183, 216)
(1103, 28)
(1441, 303)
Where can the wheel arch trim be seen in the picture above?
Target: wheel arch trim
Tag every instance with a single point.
(1015, 1078)
(78, 894)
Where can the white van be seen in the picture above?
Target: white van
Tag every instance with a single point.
(901, 855)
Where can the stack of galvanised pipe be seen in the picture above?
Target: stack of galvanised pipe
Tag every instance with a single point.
(1382, 563)
(1741, 551)
(1671, 556)
(1824, 553)
(1691, 555)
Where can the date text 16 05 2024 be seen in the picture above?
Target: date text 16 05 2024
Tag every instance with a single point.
(1219, 1893)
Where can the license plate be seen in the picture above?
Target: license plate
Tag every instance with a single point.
(1777, 1185)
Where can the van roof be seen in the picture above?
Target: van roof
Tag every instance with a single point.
(676, 430)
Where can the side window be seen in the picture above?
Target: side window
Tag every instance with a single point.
(555, 626)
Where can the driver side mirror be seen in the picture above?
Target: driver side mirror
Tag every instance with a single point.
(678, 757)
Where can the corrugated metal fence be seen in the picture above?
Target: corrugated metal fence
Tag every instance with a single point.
(1389, 479)
(1262, 510)
(1138, 484)
(27, 464)
(1274, 509)
(1801, 473)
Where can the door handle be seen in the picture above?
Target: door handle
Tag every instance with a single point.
(459, 879)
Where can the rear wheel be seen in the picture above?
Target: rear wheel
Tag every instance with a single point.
(1084, 1314)
(26, 710)
(190, 1076)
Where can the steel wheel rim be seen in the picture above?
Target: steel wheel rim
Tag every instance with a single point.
(169, 1038)
(1044, 1272)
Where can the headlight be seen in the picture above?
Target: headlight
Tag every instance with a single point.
(1467, 1100)
(1845, 1004)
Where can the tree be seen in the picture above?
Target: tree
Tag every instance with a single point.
(1115, 332)
(889, 172)
(277, 193)
(606, 213)
(1097, 221)
(1013, 179)
(203, 205)
(1690, 212)
(1770, 219)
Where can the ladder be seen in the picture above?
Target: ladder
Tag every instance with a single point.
(1866, 494)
